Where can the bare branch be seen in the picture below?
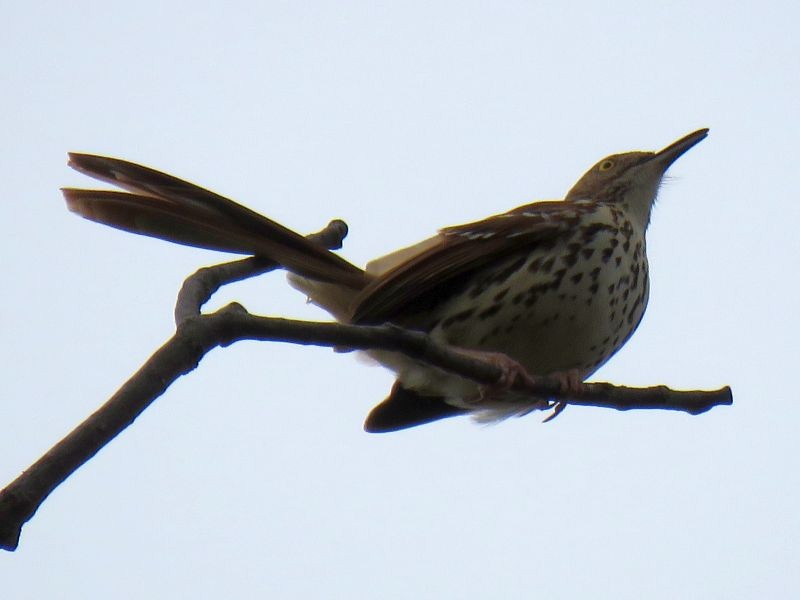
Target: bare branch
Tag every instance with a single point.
(233, 324)
(197, 334)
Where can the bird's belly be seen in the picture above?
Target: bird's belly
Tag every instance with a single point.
(554, 315)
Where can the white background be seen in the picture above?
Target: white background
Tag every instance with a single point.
(252, 477)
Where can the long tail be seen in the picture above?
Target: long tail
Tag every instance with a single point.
(165, 207)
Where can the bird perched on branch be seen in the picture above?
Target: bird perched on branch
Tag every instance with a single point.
(547, 289)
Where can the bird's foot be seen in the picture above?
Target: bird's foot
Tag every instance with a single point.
(571, 382)
(511, 372)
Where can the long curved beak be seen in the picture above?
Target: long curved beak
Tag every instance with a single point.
(675, 150)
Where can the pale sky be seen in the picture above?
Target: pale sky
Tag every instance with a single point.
(252, 477)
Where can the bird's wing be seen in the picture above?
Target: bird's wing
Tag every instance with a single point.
(169, 208)
(461, 250)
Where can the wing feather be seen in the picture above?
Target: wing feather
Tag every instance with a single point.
(460, 251)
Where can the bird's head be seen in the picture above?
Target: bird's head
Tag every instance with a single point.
(632, 179)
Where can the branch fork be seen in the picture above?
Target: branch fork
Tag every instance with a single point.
(197, 334)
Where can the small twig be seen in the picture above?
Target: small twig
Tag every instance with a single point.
(203, 283)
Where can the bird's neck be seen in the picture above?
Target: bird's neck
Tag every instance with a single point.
(637, 201)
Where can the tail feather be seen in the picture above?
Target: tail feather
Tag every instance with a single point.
(169, 208)
(146, 215)
(406, 408)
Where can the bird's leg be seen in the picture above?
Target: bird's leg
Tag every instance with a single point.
(571, 382)
(511, 372)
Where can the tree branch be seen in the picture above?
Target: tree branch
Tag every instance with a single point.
(203, 283)
(197, 334)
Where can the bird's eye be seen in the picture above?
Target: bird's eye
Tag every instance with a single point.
(606, 165)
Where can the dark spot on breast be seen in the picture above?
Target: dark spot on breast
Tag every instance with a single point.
(492, 310)
(538, 288)
(576, 278)
(593, 288)
(547, 265)
(476, 291)
(606, 254)
(500, 295)
(535, 264)
(590, 231)
(569, 259)
(458, 317)
(557, 277)
(626, 230)
(509, 270)
(587, 253)
(633, 310)
(618, 260)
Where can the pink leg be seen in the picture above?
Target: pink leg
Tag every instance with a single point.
(571, 382)
(511, 370)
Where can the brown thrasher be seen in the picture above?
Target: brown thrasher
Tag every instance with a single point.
(547, 289)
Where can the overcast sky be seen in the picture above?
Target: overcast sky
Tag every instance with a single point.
(252, 477)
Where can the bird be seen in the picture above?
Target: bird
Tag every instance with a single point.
(548, 289)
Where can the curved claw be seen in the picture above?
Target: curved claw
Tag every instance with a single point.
(558, 408)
